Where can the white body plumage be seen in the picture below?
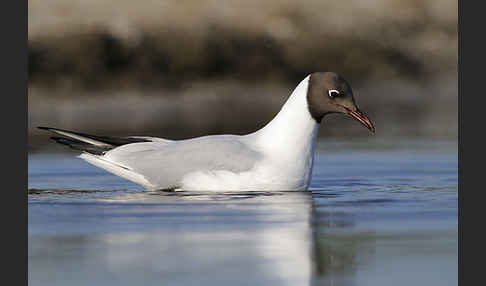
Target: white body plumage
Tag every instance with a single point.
(277, 157)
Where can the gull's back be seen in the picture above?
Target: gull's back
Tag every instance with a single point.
(165, 164)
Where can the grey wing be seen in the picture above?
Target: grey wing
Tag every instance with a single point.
(165, 164)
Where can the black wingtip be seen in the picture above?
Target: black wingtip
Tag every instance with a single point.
(63, 141)
(44, 127)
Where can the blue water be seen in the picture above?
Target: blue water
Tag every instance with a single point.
(374, 215)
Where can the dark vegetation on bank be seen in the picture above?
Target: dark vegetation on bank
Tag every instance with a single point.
(100, 59)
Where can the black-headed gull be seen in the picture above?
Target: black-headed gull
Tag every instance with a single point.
(277, 157)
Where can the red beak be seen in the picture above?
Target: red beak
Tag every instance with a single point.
(361, 117)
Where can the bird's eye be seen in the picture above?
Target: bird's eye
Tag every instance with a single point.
(333, 93)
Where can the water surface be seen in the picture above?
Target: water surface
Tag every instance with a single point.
(374, 215)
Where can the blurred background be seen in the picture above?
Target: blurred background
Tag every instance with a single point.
(180, 69)
(172, 68)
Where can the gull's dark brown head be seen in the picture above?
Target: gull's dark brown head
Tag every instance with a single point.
(329, 93)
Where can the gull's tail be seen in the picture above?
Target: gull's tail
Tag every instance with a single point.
(96, 145)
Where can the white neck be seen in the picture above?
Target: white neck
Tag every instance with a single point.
(293, 132)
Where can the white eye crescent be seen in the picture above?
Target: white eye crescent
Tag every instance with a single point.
(332, 93)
